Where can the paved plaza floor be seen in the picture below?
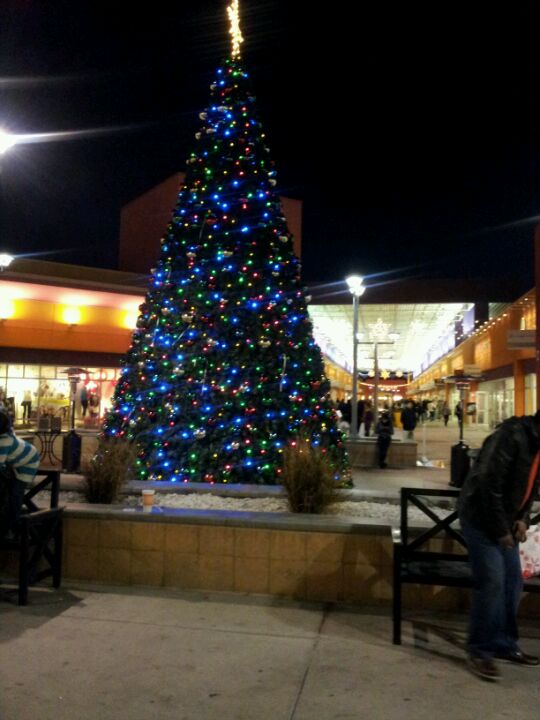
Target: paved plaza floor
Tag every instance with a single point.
(140, 654)
(434, 445)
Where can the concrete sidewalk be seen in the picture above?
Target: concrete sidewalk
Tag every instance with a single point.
(122, 653)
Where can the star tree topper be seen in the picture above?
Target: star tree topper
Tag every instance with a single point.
(233, 11)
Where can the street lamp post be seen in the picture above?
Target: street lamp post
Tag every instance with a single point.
(463, 387)
(376, 376)
(375, 384)
(357, 290)
(392, 337)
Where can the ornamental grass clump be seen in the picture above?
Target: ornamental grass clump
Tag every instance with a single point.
(308, 477)
(109, 469)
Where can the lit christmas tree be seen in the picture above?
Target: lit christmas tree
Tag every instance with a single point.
(223, 371)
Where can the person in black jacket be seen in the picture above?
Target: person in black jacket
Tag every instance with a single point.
(493, 507)
(384, 432)
(408, 419)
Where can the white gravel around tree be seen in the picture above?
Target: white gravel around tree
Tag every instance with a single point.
(382, 511)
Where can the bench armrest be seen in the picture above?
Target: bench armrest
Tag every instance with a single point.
(40, 516)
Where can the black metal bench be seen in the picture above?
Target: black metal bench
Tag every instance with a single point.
(415, 560)
(38, 536)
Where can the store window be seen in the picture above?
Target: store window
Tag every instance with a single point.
(15, 371)
(530, 394)
(30, 392)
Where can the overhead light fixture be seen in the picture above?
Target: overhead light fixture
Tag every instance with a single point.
(7, 308)
(355, 285)
(130, 319)
(5, 261)
(71, 315)
(7, 141)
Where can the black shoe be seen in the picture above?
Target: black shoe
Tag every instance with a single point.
(520, 658)
(483, 667)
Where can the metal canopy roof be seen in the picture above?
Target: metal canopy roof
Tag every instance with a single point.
(422, 328)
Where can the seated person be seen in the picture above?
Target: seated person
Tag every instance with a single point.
(19, 462)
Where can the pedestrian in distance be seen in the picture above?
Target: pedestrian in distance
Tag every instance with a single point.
(360, 413)
(343, 425)
(494, 506)
(446, 414)
(408, 420)
(384, 431)
(368, 419)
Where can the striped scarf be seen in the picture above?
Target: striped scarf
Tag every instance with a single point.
(20, 455)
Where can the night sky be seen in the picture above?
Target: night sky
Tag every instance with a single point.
(411, 132)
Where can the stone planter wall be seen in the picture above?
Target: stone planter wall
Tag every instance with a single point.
(363, 453)
(301, 557)
(304, 558)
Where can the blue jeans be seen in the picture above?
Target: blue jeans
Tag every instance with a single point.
(383, 443)
(498, 583)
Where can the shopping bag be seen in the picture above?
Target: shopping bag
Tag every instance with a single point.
(529, 552)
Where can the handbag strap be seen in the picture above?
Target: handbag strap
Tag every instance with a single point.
(532, 477)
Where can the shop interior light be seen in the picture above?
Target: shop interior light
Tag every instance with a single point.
(71, 315)
(7, 308)
(130, 319)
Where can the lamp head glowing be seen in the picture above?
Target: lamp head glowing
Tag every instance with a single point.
(355, 285)
(7, 141)
(5, 260)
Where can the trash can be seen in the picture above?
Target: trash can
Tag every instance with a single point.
(71, 452)
(460, 463)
